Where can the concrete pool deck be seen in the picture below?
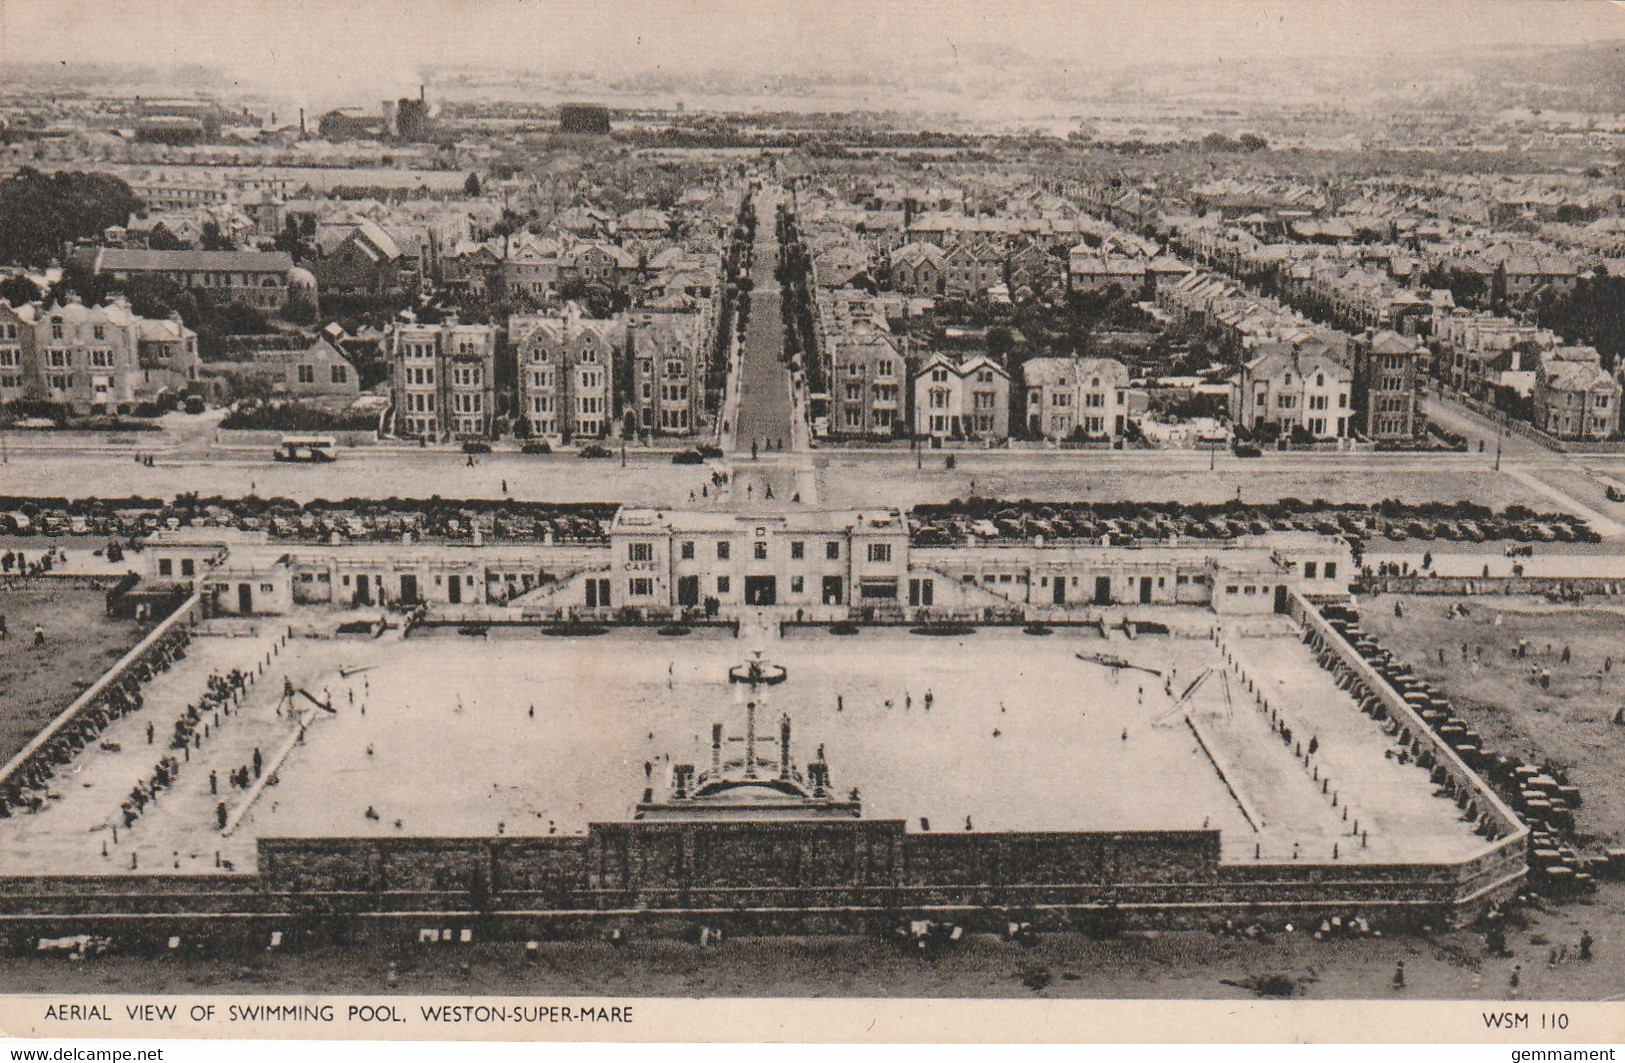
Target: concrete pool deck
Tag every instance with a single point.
(1022, 735)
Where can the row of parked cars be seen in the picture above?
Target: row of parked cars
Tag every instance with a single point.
(513, 522)
(936, 526)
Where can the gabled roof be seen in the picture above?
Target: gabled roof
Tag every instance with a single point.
(568, 327)
(1576, 376)
(163, 330)
(916, 253)
(646, 219)
(1390, 342)
(1066, 372)
(623, 258)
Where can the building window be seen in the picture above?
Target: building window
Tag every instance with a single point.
(340, 374)
(687, 550)
(722, 550)
(879, 552)
(723, 584)
(640, 552)
(641, 587)
(166, 567)
(798, 550)
(759, 551)
(307, 374)
(1331, 570)
(832, 550)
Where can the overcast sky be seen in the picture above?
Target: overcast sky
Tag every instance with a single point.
(281, 44)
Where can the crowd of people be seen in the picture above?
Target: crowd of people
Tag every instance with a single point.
(27, 787)
(15, 562)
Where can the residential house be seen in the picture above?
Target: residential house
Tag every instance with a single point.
(1034, 267)
(644, 231)
(1390, 378)
(105, 359)
(599, 263)
(1090, 270)
(971, 267)
(18, 362)
(530, 268)
(1476, 349)
(1285, 388)
(867, 376)
(842, 267)
(1575, 397)
(582, 222)
(566, 365)
(667, 352)
(1527, 274)
(360, 258)
(963, 400)
(917, 269)
(1075, 396)
(443, 379)
(319, 375)
(468, 266)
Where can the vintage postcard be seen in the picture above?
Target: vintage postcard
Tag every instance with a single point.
(538, 519)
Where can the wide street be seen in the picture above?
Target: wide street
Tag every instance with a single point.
(191, 456)
(765, 412)
(842, 477)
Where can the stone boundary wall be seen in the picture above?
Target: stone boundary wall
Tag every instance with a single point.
(771, 877)
(1503, 860)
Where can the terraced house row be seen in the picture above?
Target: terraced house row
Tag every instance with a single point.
(640, 373)
(93, 359)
